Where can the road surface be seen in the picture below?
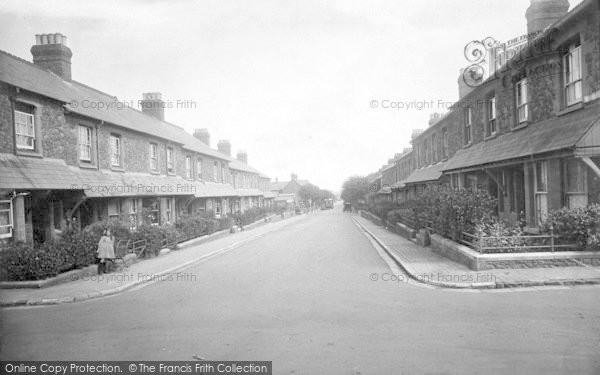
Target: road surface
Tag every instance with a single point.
(303, 297)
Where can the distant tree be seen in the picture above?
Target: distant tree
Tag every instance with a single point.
(355, 188)
(325, 194)
(309, 192)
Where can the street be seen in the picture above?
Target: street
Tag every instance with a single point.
(303, 297)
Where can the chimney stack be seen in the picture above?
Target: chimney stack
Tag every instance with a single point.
(543, 13)
(242, 156)
(224, 147)
(294, 177)
(434, 117)
(203, 135)
(416, 133)
(153, 105)
(51, 52)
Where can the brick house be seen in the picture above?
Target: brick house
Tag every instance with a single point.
(529, 134)
(71, 155)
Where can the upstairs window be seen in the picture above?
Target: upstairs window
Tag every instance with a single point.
(85, 143)
(491, 127)
(572, 74)
(468, 126)
(215, 171)
(199, 169)
(522, 106)
(115, 150)
(188, 167)
(25, 126)
(170, 165)
(223, 173)
(153, 151)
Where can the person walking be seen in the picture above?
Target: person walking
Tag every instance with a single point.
(106, 252)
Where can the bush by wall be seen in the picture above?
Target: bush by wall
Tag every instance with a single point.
(578, 225)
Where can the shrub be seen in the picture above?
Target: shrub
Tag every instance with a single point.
(496, 234)
(577, 225)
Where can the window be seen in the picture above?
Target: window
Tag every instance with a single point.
(188, 167)
(444, 143)
(541, 191)
(217, 208)
(199, 169)
(151, 211)
(215, 171)
(170, 167)
(434, 149)
(576, 184)
(426, 151)
(491, 127)
(222, 172)
(6, 219)
(115, 150)
(521, 95)
(57, 211)
(572, 74)
(468, 122)
(85, 143)
(115, 209)
(25, 126)
(153, 157)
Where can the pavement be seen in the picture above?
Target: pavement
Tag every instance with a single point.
(85, 284)
(426, 266)
(304, 297)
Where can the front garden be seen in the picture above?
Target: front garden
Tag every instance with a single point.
(77, 248)
(469, 217)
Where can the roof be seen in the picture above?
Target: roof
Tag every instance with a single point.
(249, 192)
(553, 134)
(278, 185)
(86, 101)
(241, 166)
(35, 173)
(269, 194)
(425, 174)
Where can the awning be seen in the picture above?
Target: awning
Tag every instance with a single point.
(557, 133)
(32, 173)
(425, 174)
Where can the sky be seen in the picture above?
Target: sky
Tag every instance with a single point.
(323, 89)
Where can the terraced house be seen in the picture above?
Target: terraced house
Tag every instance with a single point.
(529, 133)
(73, 155)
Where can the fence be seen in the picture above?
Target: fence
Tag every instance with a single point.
(509, 244)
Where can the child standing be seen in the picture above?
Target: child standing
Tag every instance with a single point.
(106, 252)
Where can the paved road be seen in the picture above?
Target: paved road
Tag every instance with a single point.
(303, 297)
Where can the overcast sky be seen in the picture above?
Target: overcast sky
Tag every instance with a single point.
(291, 82)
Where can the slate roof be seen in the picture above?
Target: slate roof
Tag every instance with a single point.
(35, 173)
(78, 98)
(248, 192)
(554, 134)
(425, 174)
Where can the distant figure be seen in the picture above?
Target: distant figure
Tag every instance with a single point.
(348, 207)
(106, 252)
(239, 222)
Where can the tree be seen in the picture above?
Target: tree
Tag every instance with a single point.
(354, 189)
(309, 192)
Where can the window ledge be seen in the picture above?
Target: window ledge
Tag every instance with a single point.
(468, 145)
(490, 137)
(171, 174)
(87, 166)
(33, 154)
(520, 126)
(117, 169)
(572, 108)
(154, 172)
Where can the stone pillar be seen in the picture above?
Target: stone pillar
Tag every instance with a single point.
(163, 210)
(20, 233)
